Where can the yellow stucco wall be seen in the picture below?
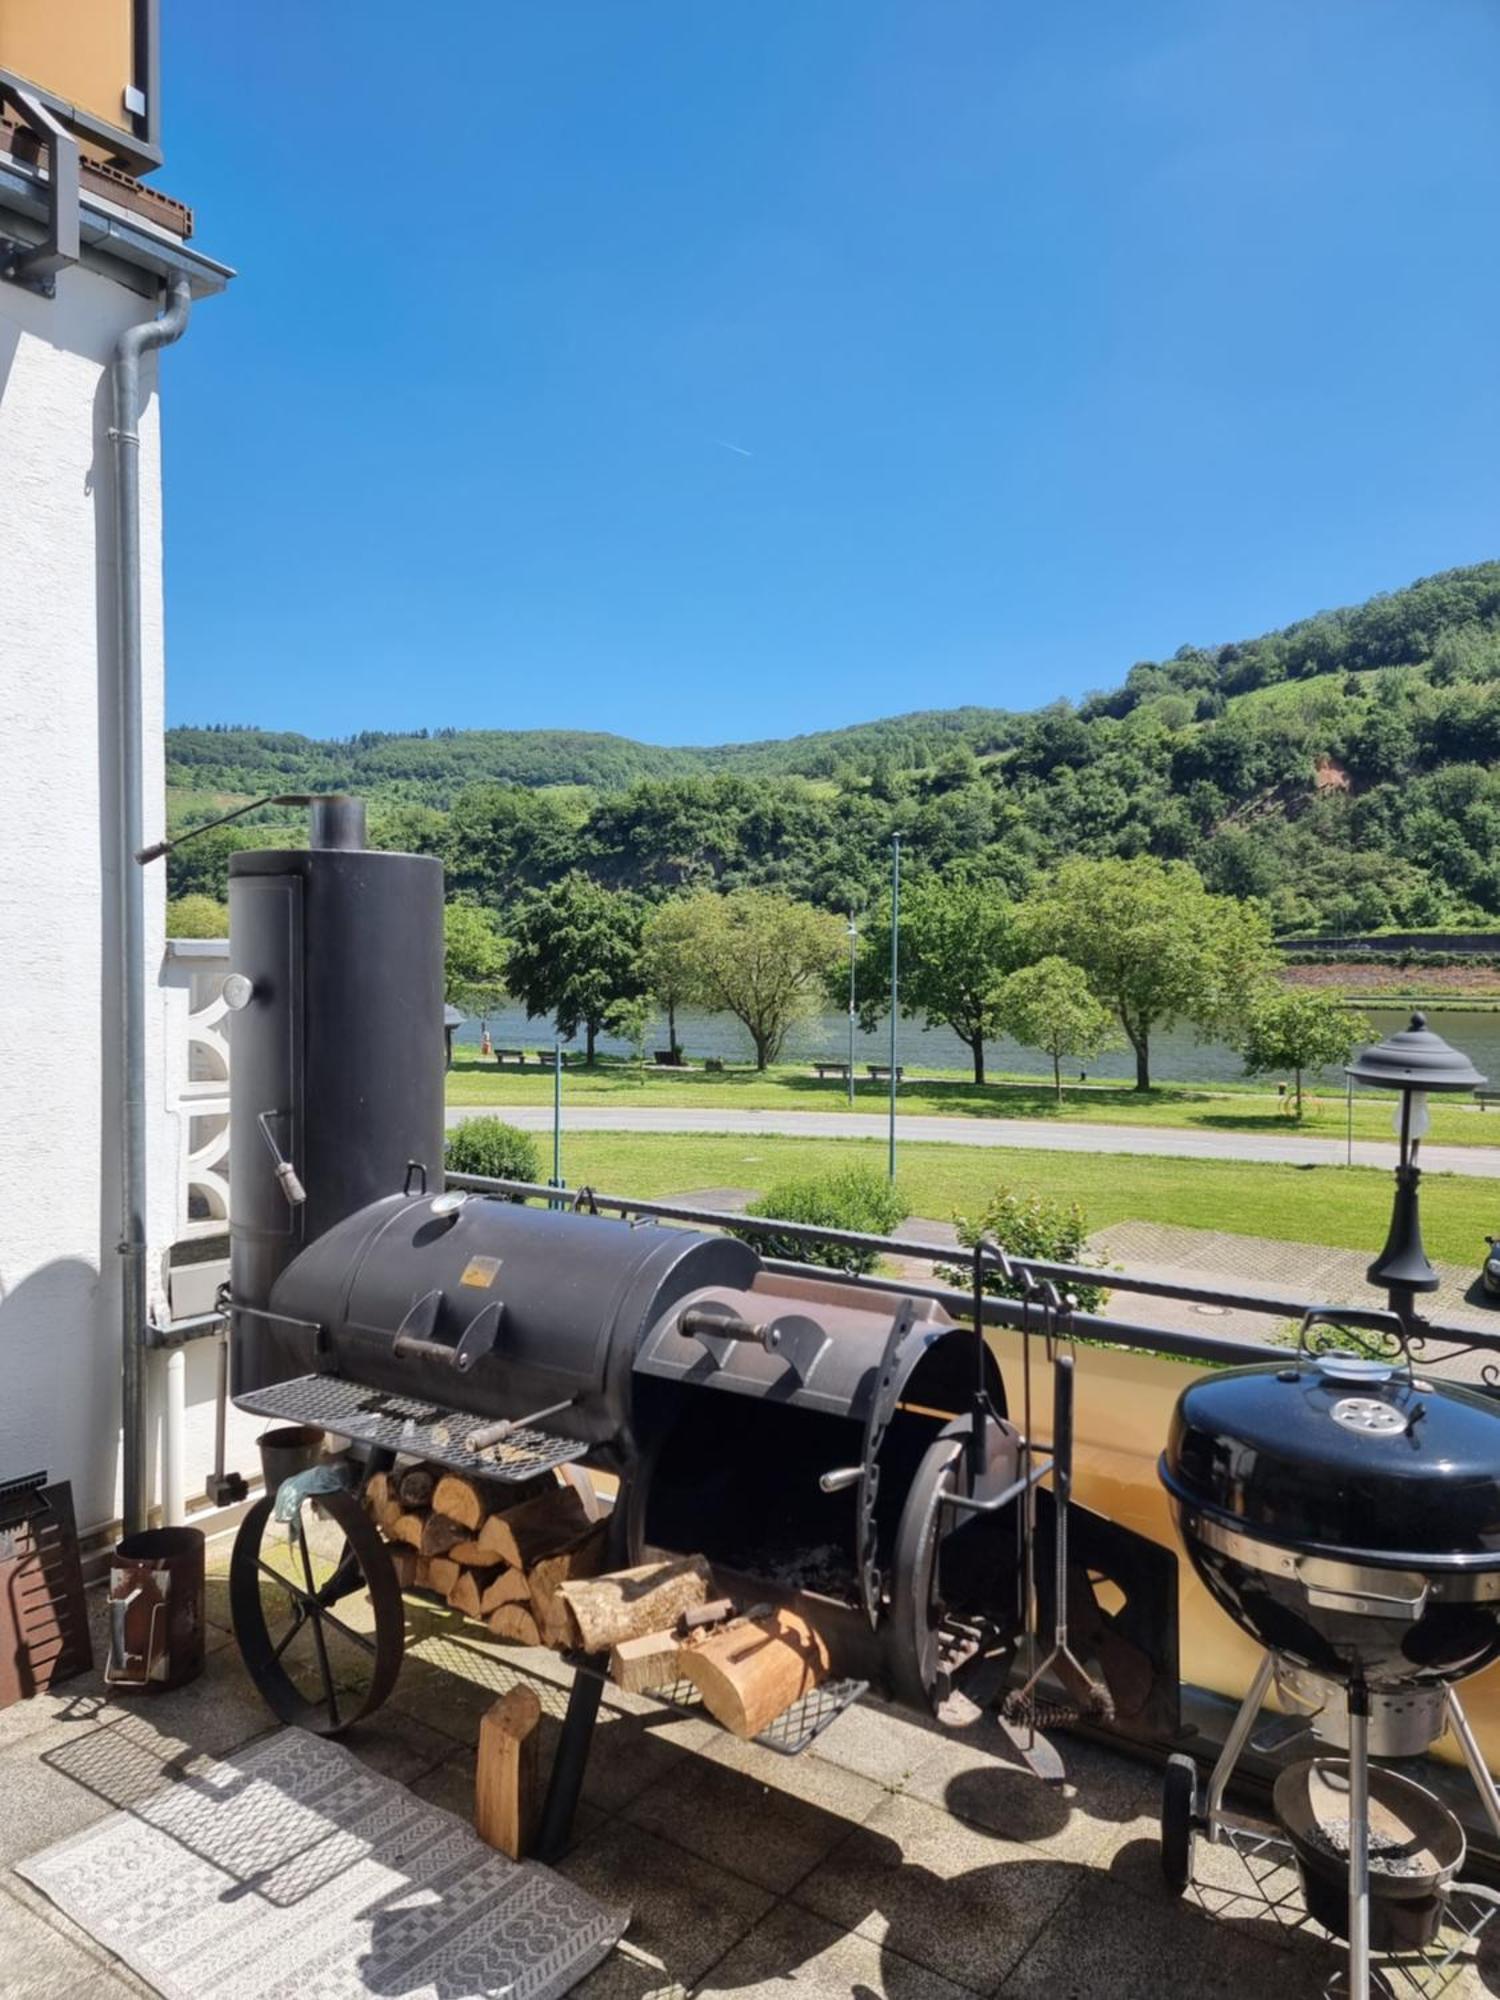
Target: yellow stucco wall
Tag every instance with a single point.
(79, 50)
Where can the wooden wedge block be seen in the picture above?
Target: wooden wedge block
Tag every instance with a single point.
(505, 1772)
(439, 1534)
(415, 1486)
(638, 1665)
(505, 1586)
(407, 1528)
(751, 1672)
(442, 1574)
(515, 1622)
(463, 1500)
(524, 1534)
(628, 1603)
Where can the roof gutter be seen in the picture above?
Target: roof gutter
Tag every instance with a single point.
(113, 241)
(130, 929)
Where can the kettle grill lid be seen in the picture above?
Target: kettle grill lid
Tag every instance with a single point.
(1337, 1451)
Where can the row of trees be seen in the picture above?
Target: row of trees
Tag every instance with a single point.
(1105, 953)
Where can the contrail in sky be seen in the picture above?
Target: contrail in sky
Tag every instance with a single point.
(725, 445)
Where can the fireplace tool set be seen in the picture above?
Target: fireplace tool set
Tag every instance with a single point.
(841, 1450)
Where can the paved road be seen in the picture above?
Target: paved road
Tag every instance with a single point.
(1061, 1137)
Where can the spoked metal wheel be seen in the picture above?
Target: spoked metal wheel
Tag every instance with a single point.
(317, 1611)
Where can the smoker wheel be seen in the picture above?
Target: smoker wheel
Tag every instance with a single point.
(410, 1425)
(313, 1666)
(1179, 1822)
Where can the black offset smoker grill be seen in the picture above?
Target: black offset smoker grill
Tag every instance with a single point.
(818, 1445)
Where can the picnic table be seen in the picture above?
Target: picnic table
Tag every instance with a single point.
(881, 1072)
(510, 1055)
(838, 1069)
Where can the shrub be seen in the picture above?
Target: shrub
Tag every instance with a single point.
(1027, 1225)
(197, 917)
(849, 1198)
(490, 1147)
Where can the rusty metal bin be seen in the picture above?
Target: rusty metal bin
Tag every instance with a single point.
(291, 1449)
(156, 1610)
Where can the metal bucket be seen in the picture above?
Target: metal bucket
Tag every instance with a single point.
(289, 1450)
(156, 1610)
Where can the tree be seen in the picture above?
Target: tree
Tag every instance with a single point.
(761, 957)
(197, 916)
(1048, 1006)
(473, 958)
(575, 950)
(630, 1020)
(1300, 1031)
(667, 965)
(958, 940)
(1155, 945)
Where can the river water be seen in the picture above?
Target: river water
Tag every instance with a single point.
(1177, 1054)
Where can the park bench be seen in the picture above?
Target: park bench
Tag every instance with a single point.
(669, 1059)
(838, 1069)
(1484, 1097)
(881, 1072)
(546, 1058)
(510, 1055)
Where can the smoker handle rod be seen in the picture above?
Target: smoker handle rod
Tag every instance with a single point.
(694, 1323)
(965, 1505)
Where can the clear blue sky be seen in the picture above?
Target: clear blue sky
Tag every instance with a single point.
(710, 369)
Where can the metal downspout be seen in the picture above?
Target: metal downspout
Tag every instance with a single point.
(124, 435)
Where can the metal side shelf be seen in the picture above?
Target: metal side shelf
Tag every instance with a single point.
(793, 1731)
(410, 1425)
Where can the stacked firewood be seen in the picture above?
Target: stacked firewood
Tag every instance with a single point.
(533, 1570)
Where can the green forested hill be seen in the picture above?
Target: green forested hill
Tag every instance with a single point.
(1343, 769)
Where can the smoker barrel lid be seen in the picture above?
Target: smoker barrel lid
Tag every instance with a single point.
(1336, 1452)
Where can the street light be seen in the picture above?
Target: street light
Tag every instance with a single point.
(853, 944)
(895, 980)
(1414, 1062)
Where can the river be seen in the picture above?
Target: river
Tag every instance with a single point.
(1177, 1054)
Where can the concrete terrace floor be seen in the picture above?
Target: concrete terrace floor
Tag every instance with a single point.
(892, 1859)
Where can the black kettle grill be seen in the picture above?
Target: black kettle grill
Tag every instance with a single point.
(1347, 1516)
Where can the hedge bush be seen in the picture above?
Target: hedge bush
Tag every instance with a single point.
(1027, 1225)
(490, 1147)
(855, 1198)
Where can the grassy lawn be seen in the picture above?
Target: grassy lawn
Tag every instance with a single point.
(1346, 1207)
(1220, 1107)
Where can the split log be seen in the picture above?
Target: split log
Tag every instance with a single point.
(404, 1562)
(505, 1775)
(515, 1622)
(467, 1593)
(407, 1528)
(545, 1580)
(439, 1535)
(472, 1554)
(390, 1513)
(638, 1665)
(442, 1574)
(629, 1603)
(750, 1673)
(415, 1486)
(377, 1492)
(463, 1500)
(523, 1535)
(506, 1586)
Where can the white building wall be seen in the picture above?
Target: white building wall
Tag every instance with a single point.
(59, 1090)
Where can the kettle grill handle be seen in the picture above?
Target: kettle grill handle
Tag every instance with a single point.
(1365, 1319)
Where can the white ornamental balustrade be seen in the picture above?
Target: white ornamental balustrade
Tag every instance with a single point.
(198, 1083)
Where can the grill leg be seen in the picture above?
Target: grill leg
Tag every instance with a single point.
(568, 1765)
(1359, 1842)
(1234, 1744)
(1484, 1784)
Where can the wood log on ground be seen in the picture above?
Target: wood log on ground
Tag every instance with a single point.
(415, 1486)
(439, 1535)
(628, 1603)
(515, 1622)
(407, 1528)
(638, 1665)
(442, 1574)
(505, 1586)
(463, 1500)
(750, 1673)
(505, 1773)
(523, 1535)
(585, 1557)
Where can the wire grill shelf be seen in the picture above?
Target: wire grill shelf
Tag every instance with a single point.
(410, 1425)
(793, 1731)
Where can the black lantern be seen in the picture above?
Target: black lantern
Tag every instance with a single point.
(1415, 1061)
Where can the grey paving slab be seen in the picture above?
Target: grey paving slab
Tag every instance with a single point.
(727, 1810)
(398, 1745)
(792, 1949)
(685, 1913)
(976, 1779)
(883, 1744)
(46, 1787)
(38, 1959)
(963, 1903)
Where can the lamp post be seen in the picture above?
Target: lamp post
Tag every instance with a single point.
(1414, 1062)
(557, 1068)
(853, 946)
(895, 980)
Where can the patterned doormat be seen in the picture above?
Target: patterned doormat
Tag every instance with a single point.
(292, 1871)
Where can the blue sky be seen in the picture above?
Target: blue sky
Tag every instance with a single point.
(716, 369)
